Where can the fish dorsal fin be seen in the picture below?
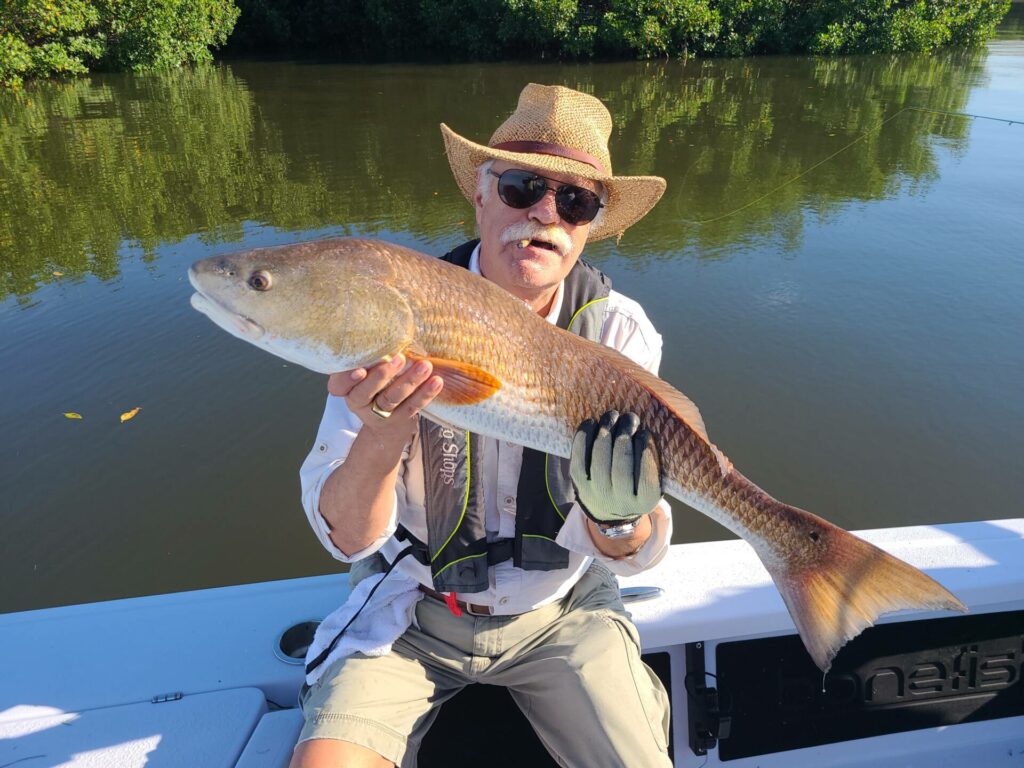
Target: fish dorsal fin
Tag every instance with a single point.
(464, 384)
(683, 407)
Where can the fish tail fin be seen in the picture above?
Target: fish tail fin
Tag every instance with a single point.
(838, 585)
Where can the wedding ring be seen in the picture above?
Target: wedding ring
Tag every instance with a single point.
(378, 411)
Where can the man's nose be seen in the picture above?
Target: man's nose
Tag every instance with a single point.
(544, 210)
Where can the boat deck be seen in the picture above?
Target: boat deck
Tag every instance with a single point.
(194, 678)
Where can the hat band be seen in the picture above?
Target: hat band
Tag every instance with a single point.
(543, 148)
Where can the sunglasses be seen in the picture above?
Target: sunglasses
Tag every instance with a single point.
(521, 189)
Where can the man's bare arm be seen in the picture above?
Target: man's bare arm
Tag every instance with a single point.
(358, 497)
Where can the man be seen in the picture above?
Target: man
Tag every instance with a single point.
(508, 560)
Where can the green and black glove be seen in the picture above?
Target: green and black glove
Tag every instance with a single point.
(614, 466)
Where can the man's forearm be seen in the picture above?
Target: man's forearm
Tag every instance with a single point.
(618, 548)
(358, 497)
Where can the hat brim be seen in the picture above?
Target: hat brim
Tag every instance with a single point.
(630, 198)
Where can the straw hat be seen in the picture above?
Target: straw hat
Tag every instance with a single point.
(565, 131)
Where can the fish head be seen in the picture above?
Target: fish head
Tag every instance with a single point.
(328, 306)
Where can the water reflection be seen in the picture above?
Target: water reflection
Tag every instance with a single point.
(91, 166)
(736, 136)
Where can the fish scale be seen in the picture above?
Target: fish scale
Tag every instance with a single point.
(335, 305)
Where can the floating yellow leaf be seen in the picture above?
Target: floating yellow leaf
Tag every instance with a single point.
(58, 274)
(72, 415)
(129, 414)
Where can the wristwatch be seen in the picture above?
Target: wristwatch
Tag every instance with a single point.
(618, 530)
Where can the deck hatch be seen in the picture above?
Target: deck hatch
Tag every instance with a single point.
(893, 678)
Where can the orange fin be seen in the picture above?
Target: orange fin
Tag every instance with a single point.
(464, 384)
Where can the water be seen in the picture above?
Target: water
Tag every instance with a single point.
(837, 278)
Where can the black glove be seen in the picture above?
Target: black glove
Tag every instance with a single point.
(614, 466)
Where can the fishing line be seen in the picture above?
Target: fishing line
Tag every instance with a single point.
(838, 152)
(800, 175)
(967, 114)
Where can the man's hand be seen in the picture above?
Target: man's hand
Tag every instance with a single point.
(370, 472)
(614, 466)
(402, 393)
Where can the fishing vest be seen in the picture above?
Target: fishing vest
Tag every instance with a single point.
(457, 550)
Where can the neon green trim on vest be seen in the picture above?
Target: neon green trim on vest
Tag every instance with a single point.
(578, 311)
(538, 536)
(547, 485)
(453, 562)
(465, 506)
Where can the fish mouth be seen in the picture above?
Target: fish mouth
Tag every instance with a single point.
(234, 323)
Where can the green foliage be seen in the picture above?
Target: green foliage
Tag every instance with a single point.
(581, 29)
(653, 28)
(541, 28)
(65, 37)
(44, 38)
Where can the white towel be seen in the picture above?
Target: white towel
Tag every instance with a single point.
(384, 619)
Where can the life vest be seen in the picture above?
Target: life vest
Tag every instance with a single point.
(457, 550)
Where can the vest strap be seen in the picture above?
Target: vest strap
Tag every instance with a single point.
(498, 551)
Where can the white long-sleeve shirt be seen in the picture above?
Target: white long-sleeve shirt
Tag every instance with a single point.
(512, 590)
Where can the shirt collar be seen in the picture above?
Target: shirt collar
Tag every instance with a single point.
(556, 305)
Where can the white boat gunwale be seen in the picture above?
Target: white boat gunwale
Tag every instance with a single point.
(78, 659)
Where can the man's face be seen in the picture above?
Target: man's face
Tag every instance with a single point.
(531, 273)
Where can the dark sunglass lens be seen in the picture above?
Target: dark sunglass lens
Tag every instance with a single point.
(576, 205)
(519, 189)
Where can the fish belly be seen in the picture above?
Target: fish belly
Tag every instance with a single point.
(509, 415)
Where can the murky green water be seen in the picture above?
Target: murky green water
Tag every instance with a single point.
(836, 270)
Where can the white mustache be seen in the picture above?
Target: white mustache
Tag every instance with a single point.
(530, 230)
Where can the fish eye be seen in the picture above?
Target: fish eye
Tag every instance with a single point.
(260, 281)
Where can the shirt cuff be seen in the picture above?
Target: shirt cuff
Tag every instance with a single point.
(575, 536)
(323, 531)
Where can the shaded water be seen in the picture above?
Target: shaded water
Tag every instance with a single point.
(836, 271)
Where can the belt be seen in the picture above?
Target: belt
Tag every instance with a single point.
(471, 608)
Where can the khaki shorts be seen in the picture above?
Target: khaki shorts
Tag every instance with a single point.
(573, 667)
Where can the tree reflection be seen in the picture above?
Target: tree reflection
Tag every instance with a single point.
(739, 134)
(89, 167)
(93, 167)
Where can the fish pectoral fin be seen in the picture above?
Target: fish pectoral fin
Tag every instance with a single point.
(464, 384)
(415, 350)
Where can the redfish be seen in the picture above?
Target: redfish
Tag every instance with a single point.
(334, 305)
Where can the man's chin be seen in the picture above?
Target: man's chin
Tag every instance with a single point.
(532, 266)
(537, 273)
(541, 263)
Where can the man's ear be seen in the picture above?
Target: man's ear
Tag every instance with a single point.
(478, 207)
